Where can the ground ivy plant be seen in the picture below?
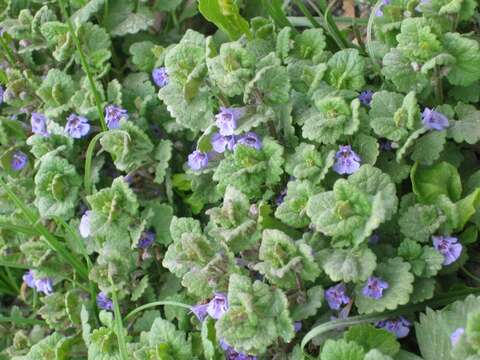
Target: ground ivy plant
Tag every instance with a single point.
(241, 180)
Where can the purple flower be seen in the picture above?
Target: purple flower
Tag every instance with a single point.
(226, 120)
(374, 287)
(434, 120)
(44, 285)
(232, 354)
(113, 115)
(160, 77)
(2, 91)
(456, 335)
(221, 143)
(84, 227)
(385, 144)
(251, 139)
(217, 306)
(77, 126)
(146, 239)
(104, 302)
(400, 327)
(449, 247)
(365, 97)
(347, 162)
(385, 2)
(197, 160)
(337, 296)
(200, 311)
(379, 12)
(374, 239)
(39, 124)
(281, 197)
(29, 278)
(19, 160)
(297, 326)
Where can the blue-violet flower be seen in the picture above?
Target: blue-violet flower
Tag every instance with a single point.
(197, 160)
(226, 120)
(449, 247)
(19, 160)
(160, 77)
(400, 327)
(456, 335)
(43, 285)
(347, 162)
(84, 227)
(2, 91)
(113, 115)
(232, 354)
(77, 126)
(146, 239)
(336, 296)
(434, 120)
(221, 143)
(39, 124)
(200, 311)
(104, 302)
(217, 306)
(251, 139)
(374, 287)
(365, 97)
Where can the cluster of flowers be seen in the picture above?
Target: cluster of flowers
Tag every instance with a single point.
(224, 139)
(216, 308)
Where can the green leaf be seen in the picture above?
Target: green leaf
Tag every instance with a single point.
(308, 308)
(129, 148)
(283, 260)
(435, 327)
(209, 340)
(333, 119)
(133, 22)
(369, 337)
(84, 13)
(366, 147)
(226, 16)
(57, 186)
(186, 96)
(466, 69)
(163, 154)
(114, 210)
(234, 223)
(396, 273)
(428, 148)
(203, 263)
(341, 349)
(374, 354)
(417, 41)
(257, 316)
(398, 69)
(143, 56)
(95, 44)
(420, 222)
(137, 87)
(232, 69)
(168, 342)
(349, 265)
(56, 89)
(431, 182)
(250, 170)
(307, 163)
(293, 210)
(467, 127)
(346, 70)
(271, 85)
(355, 207)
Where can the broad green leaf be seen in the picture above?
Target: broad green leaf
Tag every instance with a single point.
(346, 70)
(369, 337)
(341, 349)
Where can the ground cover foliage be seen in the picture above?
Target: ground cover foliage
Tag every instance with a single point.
(239, 180)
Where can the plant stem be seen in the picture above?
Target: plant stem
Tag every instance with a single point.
(302, 21)
(120, 331)
(85, 66)
(155, 304)
(50, 239)
(8, 53)
(305, 12)
(470, 275)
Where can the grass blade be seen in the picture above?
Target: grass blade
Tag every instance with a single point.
(119, 329)
(275, 10)
(154, 304)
